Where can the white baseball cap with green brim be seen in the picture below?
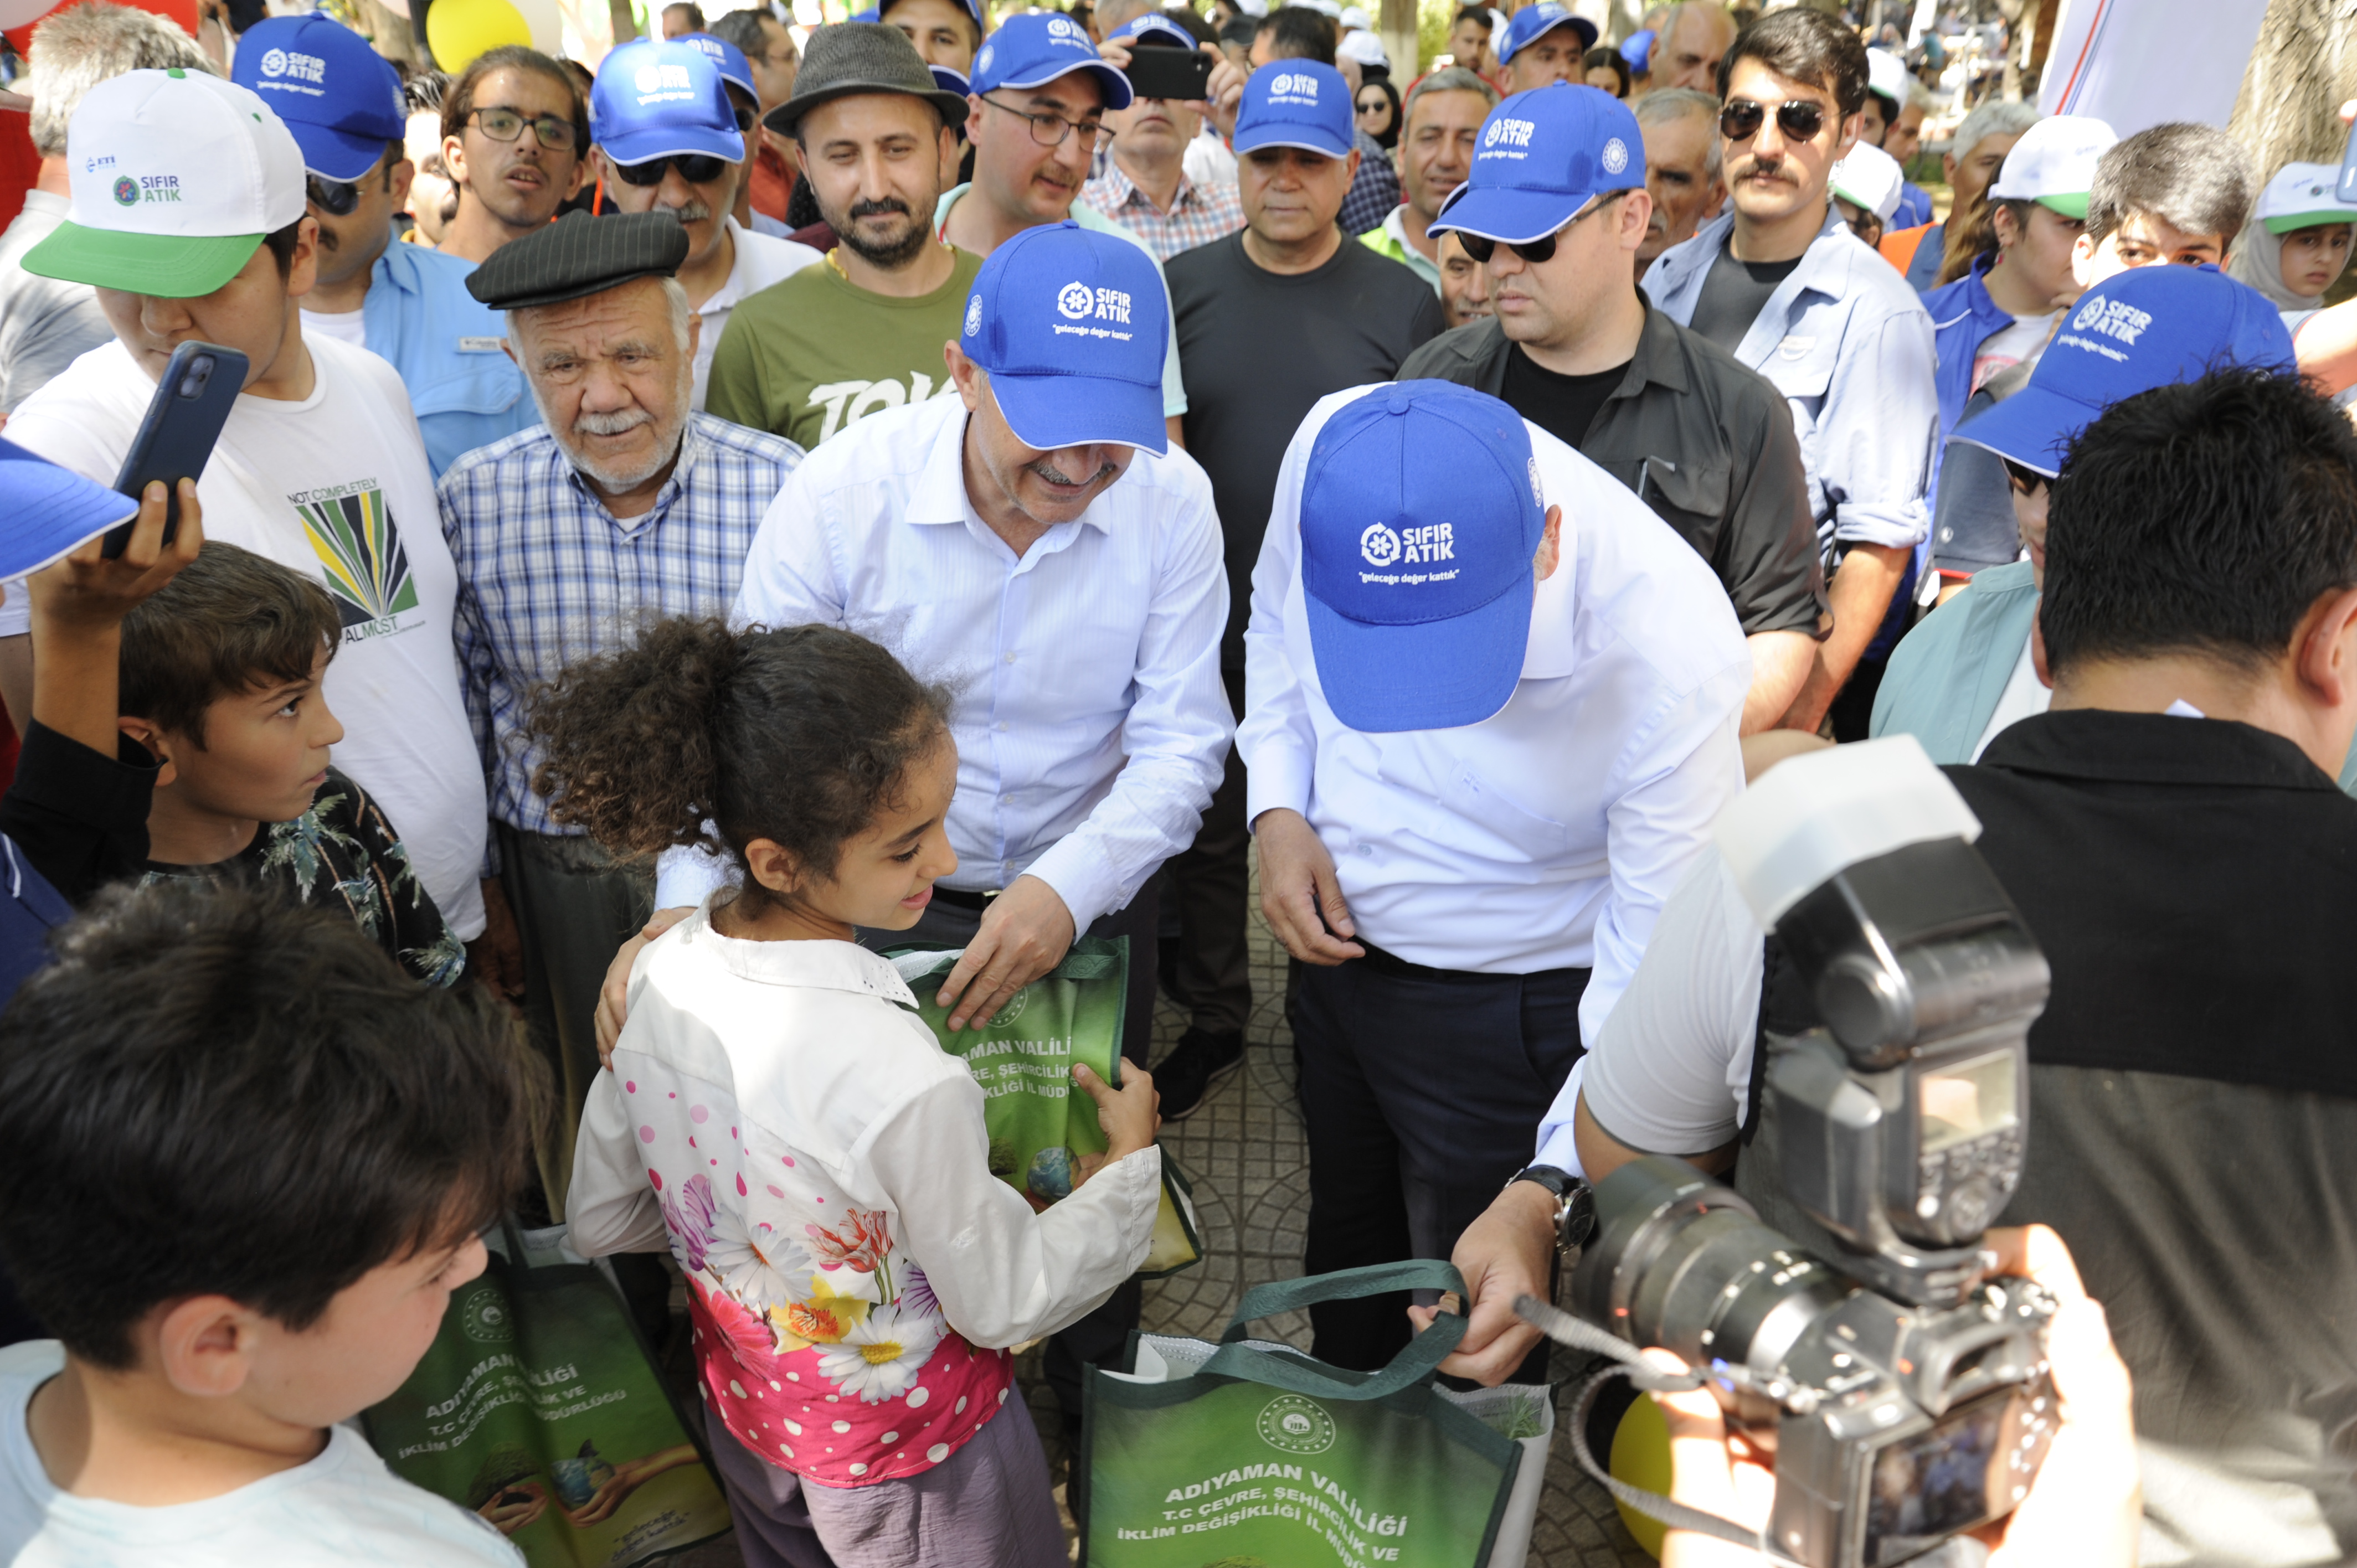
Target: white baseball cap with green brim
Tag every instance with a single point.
(2302, 195)
(2053, 163)
(176, 178)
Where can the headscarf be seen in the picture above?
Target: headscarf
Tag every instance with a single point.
(2257, 259)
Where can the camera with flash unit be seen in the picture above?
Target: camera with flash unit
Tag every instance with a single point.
(1903, 1391)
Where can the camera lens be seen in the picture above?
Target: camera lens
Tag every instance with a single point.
(1684, 1263)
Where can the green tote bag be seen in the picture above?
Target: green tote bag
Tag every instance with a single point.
(1253, 1456)
(1039, 1122)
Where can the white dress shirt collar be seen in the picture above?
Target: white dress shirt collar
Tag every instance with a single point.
(939, 493)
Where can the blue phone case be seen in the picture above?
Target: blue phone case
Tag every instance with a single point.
(193, 397)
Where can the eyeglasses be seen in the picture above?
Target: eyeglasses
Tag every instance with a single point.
(336, 198)
(2026, 481)
(506, 125)
(1538, 251)
(1049, 129)
(696, 168)
(1798, 118)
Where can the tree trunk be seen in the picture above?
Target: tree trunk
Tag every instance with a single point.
(2302, 69)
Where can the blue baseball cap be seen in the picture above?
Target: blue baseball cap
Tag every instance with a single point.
(340, 98)
(1544, 154)
(1420, 513)
(1524, 26)
(949, 79)
(1296, 103)
(1636, 49)
(973, 8)
(2148, 327)
(734, 69)
(1071, 326)
(656, 100)
(1034, 50)
(51, 511)
(1156, 22)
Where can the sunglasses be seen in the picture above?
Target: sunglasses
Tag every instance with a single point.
(1538, 251)
(696, 168)
(2026, 481)
(1797, 118)
(336, 198)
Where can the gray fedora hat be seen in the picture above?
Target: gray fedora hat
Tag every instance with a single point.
(861, 56)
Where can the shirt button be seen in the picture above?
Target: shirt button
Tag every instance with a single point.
(1010, 659)
(1002, 725)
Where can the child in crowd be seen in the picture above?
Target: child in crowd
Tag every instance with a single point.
(243, 1161)
(208, 660)
(2296, 246)
(778, 1112)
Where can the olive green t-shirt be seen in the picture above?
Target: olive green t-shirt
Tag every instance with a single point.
(813, 355)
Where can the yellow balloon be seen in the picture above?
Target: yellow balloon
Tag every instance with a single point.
(458, 30)
(1641, 1456)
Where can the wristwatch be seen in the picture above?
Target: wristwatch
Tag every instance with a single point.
(1575, 1206)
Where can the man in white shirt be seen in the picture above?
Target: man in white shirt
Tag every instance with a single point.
(1490, 714)
(1037, 545)
(671, 145)
(188, 218)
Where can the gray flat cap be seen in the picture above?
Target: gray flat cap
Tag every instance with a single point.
(579, 255)
(861, 56)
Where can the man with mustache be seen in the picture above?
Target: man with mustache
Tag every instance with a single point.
(406, 304)
(671, 145)
(1041, 93)
(512, 133)
(1036, 541)
(812, 356)
(1682, 169)
(627, 502)
(1782, 285)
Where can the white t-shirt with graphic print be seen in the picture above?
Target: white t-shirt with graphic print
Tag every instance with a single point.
(336, 486)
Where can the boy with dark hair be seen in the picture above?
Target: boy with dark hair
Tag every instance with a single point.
(299, 1146)
(2176, 193)
(221, 672)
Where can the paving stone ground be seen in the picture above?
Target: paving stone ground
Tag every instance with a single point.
(1245, 1153)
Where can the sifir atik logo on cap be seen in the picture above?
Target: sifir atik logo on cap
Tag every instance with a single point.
(129, 192)
(1079, 301)
(1064, 29)
(1294, 87)
(1514, 134)
(664, 83)
(1383, 546)
(301, 67)
(2113, 319)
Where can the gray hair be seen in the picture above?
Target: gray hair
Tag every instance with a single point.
(1679, 103)
(84, 45)
(1994, 118)
(1449, 79)
(2196, 176)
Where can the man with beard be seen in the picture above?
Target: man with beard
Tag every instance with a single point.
(812, 356)
(674, 147)
(513, 135)
(406, 303)
(627, 502)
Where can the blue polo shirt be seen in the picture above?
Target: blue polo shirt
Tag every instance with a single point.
(446, 343)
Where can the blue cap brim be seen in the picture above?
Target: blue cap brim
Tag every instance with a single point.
(1117, 93)
(671, 141)
(1580, 24)
(338, 155)
(1050, 412)
(1465, 668)
(1509, 217)
(2034, 427)
(51, 511)
(949, 79)
(1289, 133)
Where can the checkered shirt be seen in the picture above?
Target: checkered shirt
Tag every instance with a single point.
(1375, 191)
(547, 576)
(1199, 214)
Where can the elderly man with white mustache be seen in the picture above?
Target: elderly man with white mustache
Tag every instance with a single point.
(626, 502)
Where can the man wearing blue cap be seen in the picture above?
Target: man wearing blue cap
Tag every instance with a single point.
(747, 102)
(1034, 543)
(1544, 45)
(1270, 320)
(1491, 716)
(406, 304)
(1040, 90)
(668, 140)
(1557, 201)
(2170, 832)
(1782, 285)
(1968, 672)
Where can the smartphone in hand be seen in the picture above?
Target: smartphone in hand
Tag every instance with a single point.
(193, 397)
(1177, 76)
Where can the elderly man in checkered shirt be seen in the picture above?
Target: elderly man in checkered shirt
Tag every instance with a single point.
(626, 504)
(1145, 187)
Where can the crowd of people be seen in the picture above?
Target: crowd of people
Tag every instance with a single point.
(691, 526)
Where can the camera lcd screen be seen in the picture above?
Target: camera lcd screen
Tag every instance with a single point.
(1928, 1487)
(1966, 1100)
